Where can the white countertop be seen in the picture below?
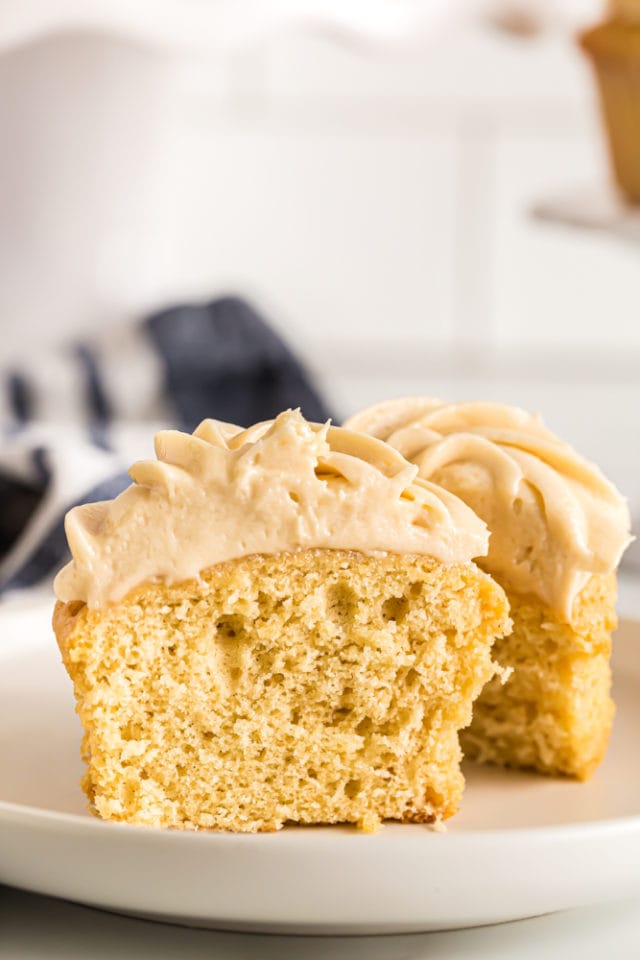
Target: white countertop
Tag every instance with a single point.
(39, 928)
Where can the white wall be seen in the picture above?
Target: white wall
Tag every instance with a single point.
(378, 206)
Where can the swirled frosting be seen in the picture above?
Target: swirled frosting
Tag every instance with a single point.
(282, 485)
(554, 519)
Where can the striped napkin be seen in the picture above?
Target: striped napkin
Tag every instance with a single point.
(74, 419)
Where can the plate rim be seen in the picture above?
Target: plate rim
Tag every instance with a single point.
(410, 878)
(81, 822)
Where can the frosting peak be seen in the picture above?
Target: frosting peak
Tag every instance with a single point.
(554, 518)
(224, 492)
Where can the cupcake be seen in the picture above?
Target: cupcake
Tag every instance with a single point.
(275, 625)
(558, 529)
(614, 49)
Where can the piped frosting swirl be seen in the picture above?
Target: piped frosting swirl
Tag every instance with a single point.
(554, 519)
(283, 485)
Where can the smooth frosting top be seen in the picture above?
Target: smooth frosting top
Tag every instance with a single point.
(553, 517)
(282, 485)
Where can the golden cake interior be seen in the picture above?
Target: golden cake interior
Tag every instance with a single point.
(558, 531)
(554, 713)
(322, 686)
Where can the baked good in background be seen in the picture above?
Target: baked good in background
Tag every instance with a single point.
(558, 529)
(613, 47)
(272, 625)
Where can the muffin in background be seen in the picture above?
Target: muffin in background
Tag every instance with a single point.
(614, 50)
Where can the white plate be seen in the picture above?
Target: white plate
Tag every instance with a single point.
(523, 845)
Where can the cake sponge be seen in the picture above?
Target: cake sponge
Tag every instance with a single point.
(316, 686)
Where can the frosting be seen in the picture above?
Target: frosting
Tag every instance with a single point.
(553, 517)
(282, 485)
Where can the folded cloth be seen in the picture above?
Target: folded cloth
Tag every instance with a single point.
(71, 419)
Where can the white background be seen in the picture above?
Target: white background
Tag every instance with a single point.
(375, 201)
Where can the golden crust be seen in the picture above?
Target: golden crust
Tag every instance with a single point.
(317, 687)
(64, 622)
(613, 40)
(614, 49)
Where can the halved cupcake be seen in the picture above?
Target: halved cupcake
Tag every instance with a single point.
(558, 529)
(273, 625)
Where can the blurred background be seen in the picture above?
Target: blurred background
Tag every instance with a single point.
(416, 194)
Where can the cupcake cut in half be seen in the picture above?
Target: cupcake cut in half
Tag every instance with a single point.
(272, 625)
(558, 529)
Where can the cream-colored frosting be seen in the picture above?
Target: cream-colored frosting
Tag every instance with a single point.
(553, 517)
(282, 485)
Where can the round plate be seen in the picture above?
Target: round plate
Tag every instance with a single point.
(522, 845)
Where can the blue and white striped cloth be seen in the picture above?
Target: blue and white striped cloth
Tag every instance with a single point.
(71, 420)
